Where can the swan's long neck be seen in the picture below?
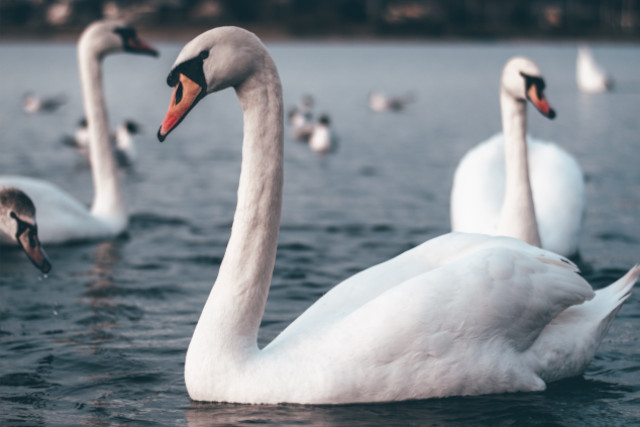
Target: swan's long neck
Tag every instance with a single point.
(107, 202)
(228, 326)
(518, 218)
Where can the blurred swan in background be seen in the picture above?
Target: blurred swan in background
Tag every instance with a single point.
(64, 218)
(380, 102)
(462, 314)
(123, 141)
(80, 139)
(18, 226)
(514, 185)
(323, 139)
(590, 76)
(301, 119)
(32, 104)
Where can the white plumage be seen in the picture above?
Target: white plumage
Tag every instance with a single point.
(514, 185)
(557, 186)
(462, 314)
(62, 217)
(590, 76)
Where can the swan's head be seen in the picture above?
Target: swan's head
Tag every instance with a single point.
(17, 221)
(110, 36)
(522, 80)
(216, 59)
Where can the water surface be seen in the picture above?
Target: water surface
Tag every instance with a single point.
(102, 339)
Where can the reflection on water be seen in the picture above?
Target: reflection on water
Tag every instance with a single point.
(103, 309)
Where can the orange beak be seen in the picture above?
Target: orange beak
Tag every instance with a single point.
(540, 102)
(185, 96)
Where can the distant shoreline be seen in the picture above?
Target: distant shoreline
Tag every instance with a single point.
(275, 34)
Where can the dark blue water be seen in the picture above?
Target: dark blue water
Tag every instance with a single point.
(102, 339)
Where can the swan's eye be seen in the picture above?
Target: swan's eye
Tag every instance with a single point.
(24, 226)
(126, 33)
(538, 82)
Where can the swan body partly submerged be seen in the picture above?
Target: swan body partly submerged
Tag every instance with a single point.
(514, 185)
(63, 217)
(462, 314)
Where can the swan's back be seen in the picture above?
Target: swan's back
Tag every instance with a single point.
(362, 288)
(457, 315)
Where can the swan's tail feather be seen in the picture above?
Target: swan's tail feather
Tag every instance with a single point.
(619, 291)
(568, 344)
(609, 300)
(602, 309)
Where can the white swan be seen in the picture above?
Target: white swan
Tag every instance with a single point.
(301, 119)
(379, 102)
(122, 140)
(513, 185)
(462, 314)
(125, 147)
(64, 217)
(590, 77)
(323, 140)
(32, 104)
(18, 226)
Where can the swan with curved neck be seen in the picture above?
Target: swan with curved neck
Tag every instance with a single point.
(64, 218)
(18, 226)
(461, 314)
(513, 185)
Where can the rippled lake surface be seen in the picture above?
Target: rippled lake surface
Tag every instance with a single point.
(101, 340)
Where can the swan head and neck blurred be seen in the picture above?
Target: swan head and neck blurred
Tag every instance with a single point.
(521, 82)
(102, 38)
(98, 40)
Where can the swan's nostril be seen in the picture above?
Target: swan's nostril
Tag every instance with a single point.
(178, 93)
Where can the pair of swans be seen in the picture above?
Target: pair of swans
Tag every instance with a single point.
(63, 217)
(461, 314)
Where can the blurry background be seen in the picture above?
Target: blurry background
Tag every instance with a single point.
(101, 340)
(612, 19)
